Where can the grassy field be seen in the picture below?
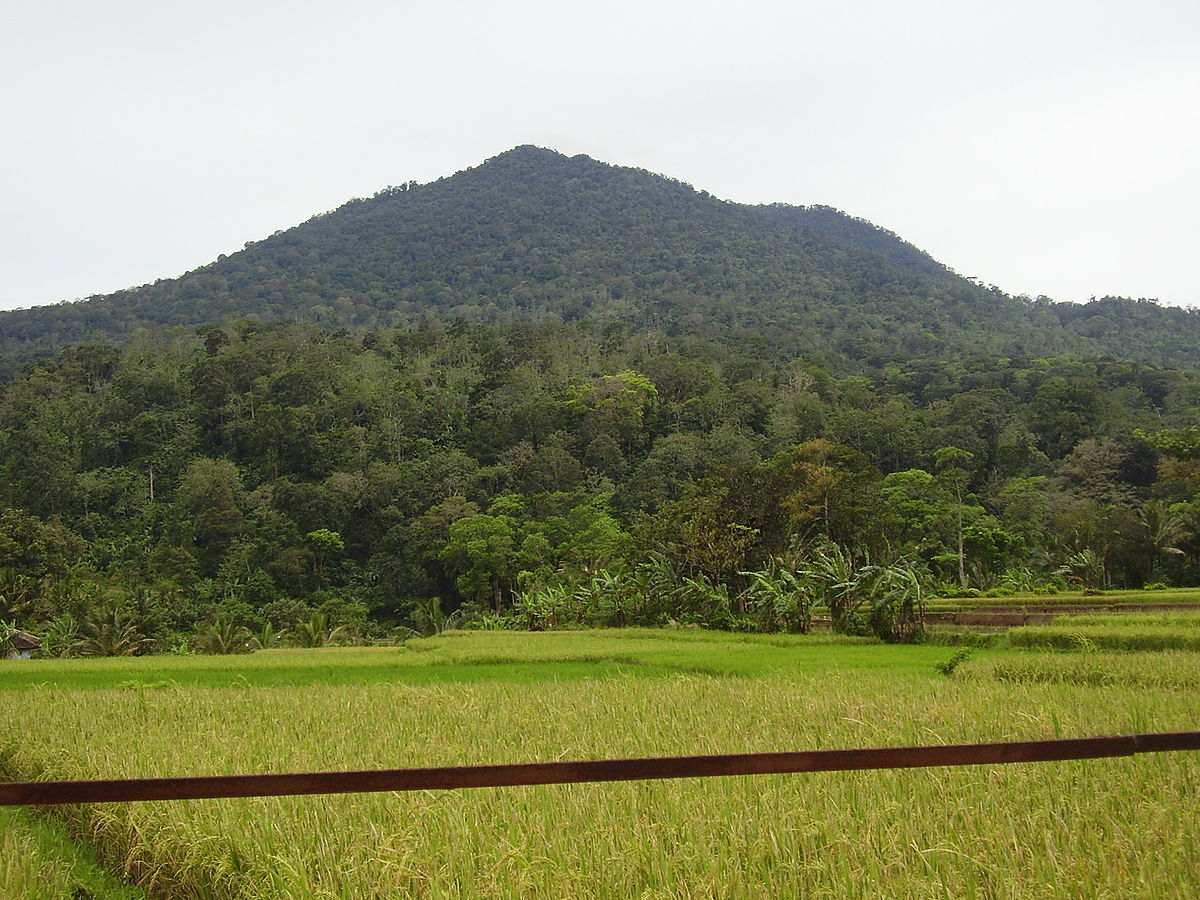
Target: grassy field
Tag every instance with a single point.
(480, 657)
(38, 859)
(1113, 632)
(1169, 670)
(1111, 598)
(1070, 636)
(1175, 620)
(1102, 828)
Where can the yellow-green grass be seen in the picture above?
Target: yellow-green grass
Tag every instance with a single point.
(1175, 619)
(1100, 828)
(1132, 636)
(38, 861)
(1169, 597)
(479, 656)
(1169, 670)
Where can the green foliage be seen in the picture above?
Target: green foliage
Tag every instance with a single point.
(7, 632)
(61, 636)
(266, 637)
(326, 546)
(1084, 568)
(835, 576)
(36, 548)
(697, 536)
(897, 600)
(482, 554)
(960, 656)
(111, 633)
(318, 632)
(829, 491)
(1182, 443)
(328, 542)
(779, 598)
(225, 636)
(430, 617)
(263, 471)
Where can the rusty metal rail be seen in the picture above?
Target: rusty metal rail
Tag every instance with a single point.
(449, 777)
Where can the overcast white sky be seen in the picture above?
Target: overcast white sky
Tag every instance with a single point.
(1045, 147)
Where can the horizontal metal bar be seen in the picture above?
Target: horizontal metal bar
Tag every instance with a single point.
(450, 777)
(1166, 741)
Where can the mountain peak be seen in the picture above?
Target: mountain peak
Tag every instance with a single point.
(528, 151)
(525, 156)
(532, 234)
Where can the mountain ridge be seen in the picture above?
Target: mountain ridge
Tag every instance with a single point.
(532, 235)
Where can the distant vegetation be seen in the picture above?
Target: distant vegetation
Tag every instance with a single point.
(257, 482)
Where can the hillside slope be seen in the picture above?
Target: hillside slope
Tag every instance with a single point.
(534, 235)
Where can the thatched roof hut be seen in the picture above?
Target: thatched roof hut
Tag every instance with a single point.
(22, 645)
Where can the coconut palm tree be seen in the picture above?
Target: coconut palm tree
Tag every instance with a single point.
(112, 633)
(316, 632)
(224, 636)
(1165, 528)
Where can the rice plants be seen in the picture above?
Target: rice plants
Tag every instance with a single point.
(1120, 636)
(1111, 598)
(1169, 670)
(1173, 619)
(477, 656)
(38, 860)
(1103, 828)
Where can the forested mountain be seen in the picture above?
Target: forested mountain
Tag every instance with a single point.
(548, 391)
(532, 235)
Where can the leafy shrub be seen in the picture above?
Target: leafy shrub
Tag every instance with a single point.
(947, 667)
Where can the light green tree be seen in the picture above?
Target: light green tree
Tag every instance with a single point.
(952, 464)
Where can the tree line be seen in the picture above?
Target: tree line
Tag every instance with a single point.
(285, 479)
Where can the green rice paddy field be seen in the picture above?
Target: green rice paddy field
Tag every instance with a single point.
(1116, 828)
(1113, 599)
